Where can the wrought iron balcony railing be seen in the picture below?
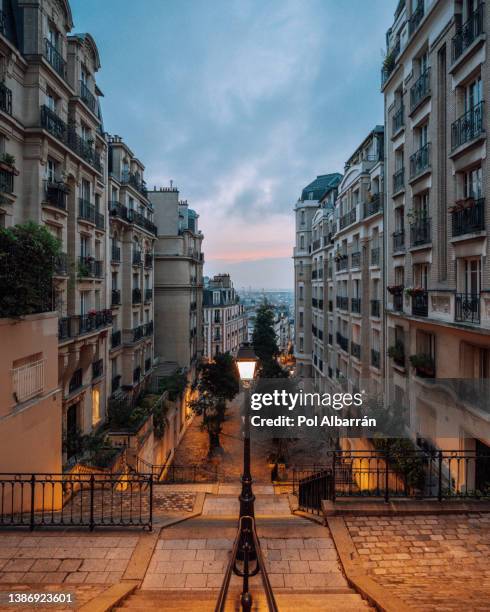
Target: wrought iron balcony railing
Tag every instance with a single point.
(56, 194)
(55, 59)
(136, 296)
(137, 260)
(468, 126)
(374, 205)
(6, 181)
(398, 119)
(375, 358)
(5, 99)
(398, 302)
(467, 308)
(138, 333)
(375, 256)
(355, 260)
(342, 262)
(61, 265)
(148, 295)
(416, 17)
(375, 308)
(343, 342)
(115, 254)
(420, 304)
(97, 368)
(399, 180)
(399, 240)
(470, 218)
(76, 381)
(349, 218)
(420, 160)
(86, 210)
(468, 32)
(135, 180)
(355, 350)
(115, 297)
(355, 305)
(420, 232)
(88, 97)
(343, 302)
(116, 338)
(420, 89)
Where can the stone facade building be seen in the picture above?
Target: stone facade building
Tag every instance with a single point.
(435, 81)
(225, 321)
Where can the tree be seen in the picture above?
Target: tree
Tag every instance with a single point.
(265, 344)
(217, 384)
(28, 256)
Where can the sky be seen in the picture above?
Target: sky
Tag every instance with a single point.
(241, 103)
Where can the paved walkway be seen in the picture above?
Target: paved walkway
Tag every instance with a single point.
(432, 562)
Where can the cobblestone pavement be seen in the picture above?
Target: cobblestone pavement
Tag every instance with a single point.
(81, 593)
(171, 503)
(433, 562)
(64, 558)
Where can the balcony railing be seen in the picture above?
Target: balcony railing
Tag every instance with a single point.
(71, 327)
(136, 296)
(342, 302)
(138, 333)
(97, 368)
(349, 218)
(116, 209)
(148, 260)
(355, 260)
(115, 297)
(142, 221)
(314, 302)
(355, 305)
(115, 339)
(420, 89)
(420, 304)
(86, 210)
(375, 256)
(99, 220)
(469, 219)
(420, 160)
(420, 232)
(468, 126)
(398, 120)
(375, 308)
(115, 253)
(416, 17)
(135, 180)
(148, 295)
(399, 240)
(6, 181)
(76, 381)
(398, 302)
(148, 328)
(330, 339)
(90, 267)
(5, 99)
(52, 123)
(355, 350)
(88, 97)
(374, 205)
(136, 375)
(375, 358)
(56, 194)
(137, 258)
(468, 32)
(399, 180)
(342, 262)
(64, 328)
(55, 59)
(343, 342)
(467, 308)
(28, 380)
(61, 265)
(389, 63)
(116, 383)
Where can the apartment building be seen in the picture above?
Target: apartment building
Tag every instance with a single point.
(52, 171)
(132, 238)
(283, 328)
(304, 210)
(435, 81)
(178, 281)
(225, 321)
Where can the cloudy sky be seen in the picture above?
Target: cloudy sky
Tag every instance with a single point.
(241, 103)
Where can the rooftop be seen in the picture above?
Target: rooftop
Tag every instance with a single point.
(317, 188)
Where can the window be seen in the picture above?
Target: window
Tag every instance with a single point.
(301, 320)
(469, 275)
(472, 183)
(399, 275)
(51, 171)
(84, 302)
(426, 344)
(421, 275)
(54, 37)
(423, 132)
(95, 407)
(83, 76)
(302, 242)
(84, 246)
(85, 132)
(131, 203)
(85, 190)
(216, 297)
(28, 377)
(473, 94)
(302, 217)
(50, 101)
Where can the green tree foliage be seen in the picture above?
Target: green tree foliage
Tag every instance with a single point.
(218, 383)
(265, 344)
(28, 255)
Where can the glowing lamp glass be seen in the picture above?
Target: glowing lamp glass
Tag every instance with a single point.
(246, 369)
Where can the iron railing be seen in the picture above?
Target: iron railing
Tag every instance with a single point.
(136, 296)
(6, 181)
(374, 205)
(349, 218)
(420, 304)
(116, 338)
(56, 194)
(468, 126)
(355, 260)
(469, 219)
(420, 160)
(416, 17)
(342, 302)
(88, 97)
(86, 210)
(375, 358)
(420, 89)
(5, 99)
(342, 262)
(399, 240)
(75, 500)
(420, 232)
(467, 32)
(399, 180)
(343, 342)
(355, 350)
(467, 307)
(55, 59)
(115, 254)
(375, 308)
(97, 368)
(398, 302)
(355, 305)
(398, 120)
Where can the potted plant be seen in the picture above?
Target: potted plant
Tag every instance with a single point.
(395, 289)
(397, 352)
(423, 364)
(412, 291)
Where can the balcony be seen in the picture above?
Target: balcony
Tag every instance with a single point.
(99, 220)
(115, 297)
(342, 262)
(61, 265)
(316, 244)
(97, 368)
(88, 97)
(355, 260)
(116, 339)
(314, 274)
(137, 333)
(468, 217)
(343, 342)
(415, 18)
(116, 209)
(347, 219)
(420, 303)
(149, 295)
(397, 353)
(76, 381)
(116, 383)
(375, 256)
(147, 364)
(389, 63)
(148, 329)
(375, 308)
(343, 302)
(375, 358)
(399, 180)
(148, 260)
(136, 375)
(137, 260)
(55, 59)
(56, 194)
(467, 33)
(6, 181)
(420, 161)
(64, 328)
(398, 301)
(52, 123)
(355, 350)
(467, 308)
(86, 211)
(28, 380)
(88, 267)
(468, 127)
(142, 221)
(420, 233)
(71, 327)
(5, 99)
(374, 205)
(398, 120)
(136, 299)
(135, 180)
(355, 305)
(420, 90)
(424, 365)
(115, 254)
(398, 241)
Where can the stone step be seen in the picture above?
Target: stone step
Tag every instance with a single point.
(205, 601)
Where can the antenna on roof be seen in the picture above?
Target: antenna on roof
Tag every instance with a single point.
(171, 183)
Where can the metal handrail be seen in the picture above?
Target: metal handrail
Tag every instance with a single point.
(249, 552)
